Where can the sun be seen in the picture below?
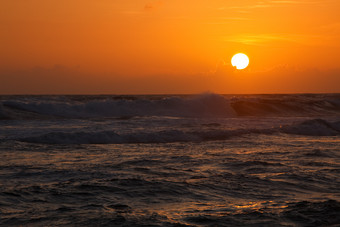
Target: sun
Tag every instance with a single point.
(240, 61)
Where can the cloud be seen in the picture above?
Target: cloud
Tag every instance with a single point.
(266, 39)
(273, 3)
(228, 20)
(285, 2)
(259, 39)
(260, 5)
(331, 28)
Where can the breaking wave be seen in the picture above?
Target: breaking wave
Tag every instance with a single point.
(204, 105)
(287, 105)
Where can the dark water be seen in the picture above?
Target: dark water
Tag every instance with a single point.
(207, 160)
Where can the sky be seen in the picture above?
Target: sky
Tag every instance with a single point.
(168, 46)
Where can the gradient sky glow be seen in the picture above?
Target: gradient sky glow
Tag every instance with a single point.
(168, 46)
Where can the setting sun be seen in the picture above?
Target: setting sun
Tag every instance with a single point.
(240, 61)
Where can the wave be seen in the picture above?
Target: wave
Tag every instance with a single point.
(314, 213)
(304, 213)
(204, 105)
(316, 127)
(3, 115)
(287, 105)
(111, 137)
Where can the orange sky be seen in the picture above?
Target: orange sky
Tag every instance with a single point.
(168, 46)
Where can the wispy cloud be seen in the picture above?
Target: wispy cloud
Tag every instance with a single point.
(273, 3)
(261, 39)
(331, 28)
(234, 18)
(260, 5)
(285, 2)
(266, 39)
(228, 20)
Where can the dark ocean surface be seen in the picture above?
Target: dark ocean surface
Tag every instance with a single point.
(170, 160)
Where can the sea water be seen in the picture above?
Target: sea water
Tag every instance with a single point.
(170, 160)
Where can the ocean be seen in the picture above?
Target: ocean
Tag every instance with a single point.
(170, 160)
